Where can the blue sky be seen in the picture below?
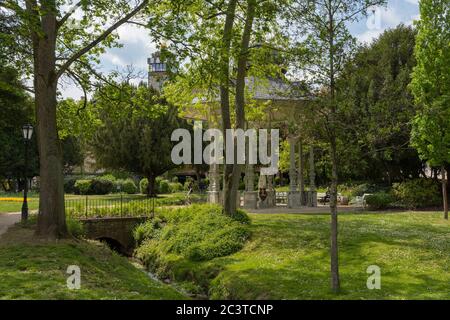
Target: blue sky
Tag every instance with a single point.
(137, 43)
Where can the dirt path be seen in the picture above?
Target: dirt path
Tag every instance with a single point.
(7, 220)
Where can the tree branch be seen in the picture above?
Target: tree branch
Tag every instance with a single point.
(102, 37)
(67, 15)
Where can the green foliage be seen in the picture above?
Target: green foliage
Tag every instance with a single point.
(417, 193)
(163, 187)
(16, 109)
(72, 153)
(358, 190)
(75, 227)
(143, 184)
(101, 186)
(194, 233)
(431, 83)
(176, 187)
(128, 186)
(144, 121)
(83, 186)
(379, 201)
(69, 186)
(374, 90)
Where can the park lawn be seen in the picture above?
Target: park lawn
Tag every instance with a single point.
(32, 269)
(288, 258)
(33, 199)
(16, 206)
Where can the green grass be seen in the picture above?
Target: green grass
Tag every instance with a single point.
(288, 258)
(33, 269)
(33, 200)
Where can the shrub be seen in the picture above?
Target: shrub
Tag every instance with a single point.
(75, 227)
(163, 186)
(101, 186)
(189, 181)
(175, 187)
(194, 233)
(83, 186)
(143, 184)
(109, 177)
(417, 193)
(157, 184)
(69, 186)
(128, 186)
(379, 201)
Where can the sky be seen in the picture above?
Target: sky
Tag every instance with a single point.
(138, 46)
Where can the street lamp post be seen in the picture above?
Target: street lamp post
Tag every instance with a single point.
(27, 131)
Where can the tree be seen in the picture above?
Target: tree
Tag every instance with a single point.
(329, 45)
(135, 130)
(374, 90)
(55, 44)
(215, 37)
(16, 109)
(430, 86)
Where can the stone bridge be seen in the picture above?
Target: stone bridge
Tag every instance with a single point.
(116, 232)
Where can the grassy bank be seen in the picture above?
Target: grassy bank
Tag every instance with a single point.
(288, 258)
(32, 269)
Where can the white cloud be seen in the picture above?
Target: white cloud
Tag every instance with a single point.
(413, 18)
(416, 2)
(113, 59)
(369, 35)
(390, 17)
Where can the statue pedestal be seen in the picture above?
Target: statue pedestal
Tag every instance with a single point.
(238, 199)
(311, 199)
(250, 199)
(214, 197)
(262, 204)
(271, 199)
(294, 199)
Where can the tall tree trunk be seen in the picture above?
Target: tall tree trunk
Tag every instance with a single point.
(151, 189)
(51, 218)
(228, 195)
(334, 256)
(444, 191)
(300, 175)
(335, 282)
(235, 174)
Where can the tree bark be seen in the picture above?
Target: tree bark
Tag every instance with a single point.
(235, 174)
(43, 30)
(334, 263)
(444, 192)
(51, 218)
(228, 196)
(300, 175)
(151, 190)
(335, 282)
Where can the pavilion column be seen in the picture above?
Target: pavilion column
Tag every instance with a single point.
(214, 184)
(300, 178)
(312, 194)
(250, 195)
(271, 196)
(293, 194)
